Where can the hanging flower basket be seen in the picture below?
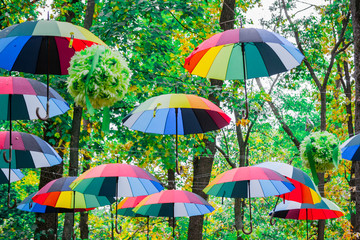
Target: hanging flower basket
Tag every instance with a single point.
(98, 76)
(320, 152)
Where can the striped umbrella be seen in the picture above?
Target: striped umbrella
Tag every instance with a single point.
(243, 53)
(326, 209)
(23, 150)
(249, 182)
(117, 180)
(43, 47)
(16, 175)
(29, 205)
(173, 203)
(176, 114)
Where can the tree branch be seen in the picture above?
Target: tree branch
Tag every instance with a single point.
(227, 158)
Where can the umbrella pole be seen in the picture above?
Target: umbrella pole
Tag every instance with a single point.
(174, 225)
(272, 222)
(307, 226)
(178, 171)
(47, 86)
(148, 227)
(118, 231)
(246, 115)
(73, 228)
(10, 156)
(243, 227)
(112, 223)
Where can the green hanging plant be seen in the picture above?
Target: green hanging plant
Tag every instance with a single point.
(98, 76)
(320, 152)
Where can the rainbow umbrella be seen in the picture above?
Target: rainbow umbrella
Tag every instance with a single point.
(249, 182)
(243, 53)
(326, 209)
(176, 114)
(126, 207)
(43, 47)
(117, 180)
(29, 205)
(173, 203)
(23, 150)
(16, 175)
(58, 194)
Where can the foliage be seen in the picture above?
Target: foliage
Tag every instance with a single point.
(98, 74)
(322, 148)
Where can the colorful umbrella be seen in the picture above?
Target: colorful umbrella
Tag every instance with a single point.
(176, 114)
(303, 211)
(29, 205)
(16, 175)
(43, 47)
(305, 190)
(117, 180)
(243, 54)
(350, 149)
(173, 203)
(58, 194)
(25, 151)
(249, 182)
(21, 97)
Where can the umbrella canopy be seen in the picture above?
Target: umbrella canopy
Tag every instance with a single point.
(350, 149)
(326, 209)
(117, 180)
(15, 175)
(305, 190)
(126, 206)
(192, 113)
(28, 151)
(173, 203)
(29, 205)
(243, 54)
(245, 182)
(25, 96)
(57, 193)
(42, 47)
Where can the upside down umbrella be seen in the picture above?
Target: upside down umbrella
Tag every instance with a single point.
(126, 207)
(176, 114)
(117, 180)
(43, 47)
(173, 203)
(19, 97)
(248, 182)
(326, 209)
(58, 194)
(29, 205)
(243, 53)
(25, 151)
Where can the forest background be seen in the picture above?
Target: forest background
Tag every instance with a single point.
(155, 37)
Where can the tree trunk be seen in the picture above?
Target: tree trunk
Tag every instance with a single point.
(47, 223)
(355, 168)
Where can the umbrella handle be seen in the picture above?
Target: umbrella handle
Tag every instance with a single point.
(10, 155)
(73, 234)
(47, 112)
(250, 231)
(118, 230)
(8, 202)
(272, 220)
